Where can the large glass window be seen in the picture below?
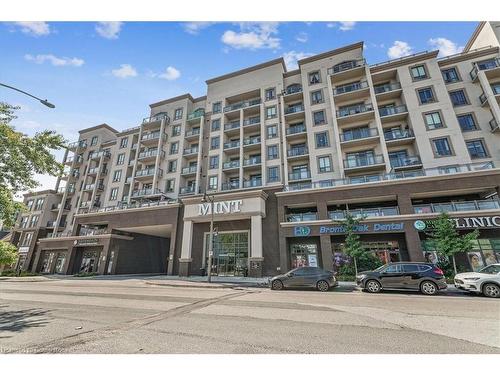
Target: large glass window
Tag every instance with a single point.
(477, 149)
(442, 147)
(458, 98)
(467, 122)
(433, 120)
(418, 72)
(230, 253)
(426, 95)
(450, 75)
(304, 255)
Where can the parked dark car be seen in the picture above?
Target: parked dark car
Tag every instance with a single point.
(425, 277)
(313, 277)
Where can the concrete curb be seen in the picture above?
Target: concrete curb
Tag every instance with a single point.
(196, 284)
(25, 279)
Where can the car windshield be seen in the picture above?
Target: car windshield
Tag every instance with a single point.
(380, 268)
(492, 269)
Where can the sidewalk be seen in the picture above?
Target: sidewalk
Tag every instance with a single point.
(202, 282)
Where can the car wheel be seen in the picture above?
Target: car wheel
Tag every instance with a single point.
(491, 290)
(429, 288)
(322, 286)
(373, 286)
(277, 285)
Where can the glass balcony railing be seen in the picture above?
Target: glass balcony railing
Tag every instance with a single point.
(346, 65)
(152, 135)
(354, 110)
(496, 88)
(251, 121)
(231, 185)
(232, 125)
(77, 144)
(190, 151)
(363, 161)
(254, 182)
(493, 124)
(157, 117)
(296, 129)
(293, 90)
(193, 132)
(360, 133)
(188, 170)
(196, 114)
(389, 111)
(232, 144)
(145, 192)
(483, 98)
(299, 175)
(231, 164)
(484, 65)
(405, 162)
(380, 89)
(252, 161)
(244, 104)
(294, 109)
(148, 172)
(305, 216)
(149, 154)
(474, 205)
(98, 154)
(298, 151)
(251, 141)
(187, 190)
(396, 134)
(356, 86)
(364, 212)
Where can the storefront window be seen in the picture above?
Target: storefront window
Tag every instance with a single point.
(230, 253)
(303, 255)
(61, 259)
(386, 251)
(90, 262)
(47, 260)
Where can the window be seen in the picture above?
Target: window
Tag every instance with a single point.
(316, 97)
(458, 98)
(272, 131)
(170, 186)
(314, 77)
(324, 164)
(178, 114)
(124, 142)
(477, 149)
(270, 94)
(319, 118)
(120, 159)
(24, 222)
(450, 75)
(273, 174)
(217, 107)
(271, 112)
(272, 152)
(433, 120)
(214, 162)
(215, 125)
(117, 175)
(214, 143)
(30, 204)
(113, 196)
(411, 268)
(467, 122)
(176, 130)
(93, 141)
(212, 182)
(418, 72)
(174, 148)
(426, 95)
(172, 166)
(449, 169)
(34, 220)
(39, 204)
(321, 139)
(395, 268)
(442, 147)
(28, 236)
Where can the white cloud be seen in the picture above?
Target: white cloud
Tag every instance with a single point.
(330, 25)
(446, 47)
(195, 27)
(399, 49)
(302, 37)
(109, 30)
(54, 60)
(347, 25)
(125, 71)
(34, 28)
(253, 35)
(292, 57)
(171, 74)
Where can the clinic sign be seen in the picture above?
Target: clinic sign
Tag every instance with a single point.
(474, 222)
(223, 207)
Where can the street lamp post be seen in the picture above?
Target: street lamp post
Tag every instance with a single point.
(43, 101)
(209, 198)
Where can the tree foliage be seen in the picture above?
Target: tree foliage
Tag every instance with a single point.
(8, 253)
(21, 157)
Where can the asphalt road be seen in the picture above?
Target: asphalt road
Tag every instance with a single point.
(130, 316)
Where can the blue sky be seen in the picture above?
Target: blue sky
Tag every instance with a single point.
(110, 72)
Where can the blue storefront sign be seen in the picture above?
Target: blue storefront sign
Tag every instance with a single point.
(376, 227)
(301, 231)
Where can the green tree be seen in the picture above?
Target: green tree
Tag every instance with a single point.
(352, 246)
(8, 254)
(21, 157)
(447, 240)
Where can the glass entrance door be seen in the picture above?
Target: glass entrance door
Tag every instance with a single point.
(230, 253)
(61, 259)
(90, 262)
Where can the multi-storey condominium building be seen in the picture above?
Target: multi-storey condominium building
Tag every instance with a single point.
(284, 154)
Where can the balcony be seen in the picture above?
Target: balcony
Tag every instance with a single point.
(305, 216)
(474, 205)
(398, 136)
(351, 91)
(254, 182)
(189, 170)
(487, 65)
(149, 155)
(404, 163)
(355, 112)
(388, 91)
(95, 170)
(252, 161)
(240, 105)
(294, 111)
(195, 132)
(494, 125)
(251, 141)
(232, 145)
(294, 89)
(69, 161)
(364, 212)
(77, 144)
(156, 118)
(152, 136)
(295, 130)
(299, 175)
(148, 172)
(364, 162)
(231, 185)
(88, 187)
(359, 136)
(57, 207)
(93, 231)
(231, 126)
(99, 154)
(231, 164)
(393, 113)
(252, 121)
(145, 192)
(199, 113)
(298, 151)
(483, 99)
(185, 190)
(191, 151)
(347, 69)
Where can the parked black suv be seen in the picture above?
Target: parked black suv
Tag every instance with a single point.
(425, 277)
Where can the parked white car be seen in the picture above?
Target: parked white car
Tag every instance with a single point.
(485, 281)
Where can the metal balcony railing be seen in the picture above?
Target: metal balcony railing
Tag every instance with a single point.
(305, 216)
(294, 109)
(148, 172)
(251, 141)
(98, 154)
(188, 170)
(252, 161)
(93, 231)
(77, 144)
(145, 192)
(255, 182)
(231, 185)
(231, 164)
(389, 111)
(295, 129)
(474, 205)
(148, 154)
(405, 162)
(346, 65)
(483, 98)
(190, 150)
(196, 114)
(187, 190)
(298, 151)
(232, 125)
(232, 144)
(193, 132)
(300, 175)
(380, 89)
(244, 104)
(364, 212)
(157, 117)
(363, 161)
(293, 90)
(356, 134)
(351, 87)
(251, 121)
(484, 65)
(493, 124)
(395, 134)
(152, 135)
(354, 110)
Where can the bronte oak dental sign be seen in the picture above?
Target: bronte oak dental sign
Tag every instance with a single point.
(224, 207)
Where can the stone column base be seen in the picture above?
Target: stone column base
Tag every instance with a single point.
(255, 269)
(185, 266)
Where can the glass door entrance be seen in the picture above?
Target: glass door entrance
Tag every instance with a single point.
(230, 253)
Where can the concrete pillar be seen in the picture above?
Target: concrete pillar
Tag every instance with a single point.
(70, 260)
(326, 252)
(413, 244)
(37, 259)
(322, 210)
(256, 259)
(404, 204)
(103, 262)
(187, 242)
